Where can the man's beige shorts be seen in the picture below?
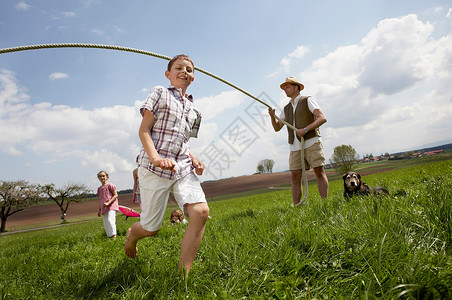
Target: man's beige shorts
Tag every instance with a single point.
(313, 157)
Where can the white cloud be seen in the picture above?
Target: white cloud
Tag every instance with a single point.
(68, 14)
(285, 63)
(299, 52)
(393, 54)
(105, 160)
(22, 6)
(449, 13)
(58, 75)
(293, 57)
(89, 3)
(389, 92)
(97, 31)
(10, 92)
(118, 29)
(377, 95)
(216, 105)
(103, 138)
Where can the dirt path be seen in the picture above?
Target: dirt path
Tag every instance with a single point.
(50, 213)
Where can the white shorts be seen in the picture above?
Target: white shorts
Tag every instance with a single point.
(155, 190)
(110, 223)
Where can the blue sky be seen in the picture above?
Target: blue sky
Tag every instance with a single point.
(380, 70)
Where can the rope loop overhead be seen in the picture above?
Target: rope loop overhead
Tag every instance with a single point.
(128, 49)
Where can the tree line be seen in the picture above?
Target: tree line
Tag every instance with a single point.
(343, 160)
(265, 166)
(15, 196)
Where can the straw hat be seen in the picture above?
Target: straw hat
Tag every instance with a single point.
(292, 80)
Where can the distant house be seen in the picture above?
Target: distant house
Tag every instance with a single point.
(417, 154)
(433, 152)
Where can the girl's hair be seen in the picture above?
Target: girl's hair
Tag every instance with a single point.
(102, 172)
(183, 56)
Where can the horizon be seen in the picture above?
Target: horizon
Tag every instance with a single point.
(379, 71)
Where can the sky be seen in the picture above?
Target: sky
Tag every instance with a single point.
(381, 71)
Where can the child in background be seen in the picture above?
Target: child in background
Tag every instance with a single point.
(136, 198)
(108, 204)
(166, 163)
(177, 217)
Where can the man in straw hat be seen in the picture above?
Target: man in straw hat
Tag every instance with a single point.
(305, 114)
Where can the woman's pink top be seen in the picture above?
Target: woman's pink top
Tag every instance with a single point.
(105, 193)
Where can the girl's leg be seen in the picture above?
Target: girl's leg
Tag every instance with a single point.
(110, 227)
(112, 221)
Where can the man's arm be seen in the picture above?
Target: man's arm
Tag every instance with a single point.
(275, 123)
(319, 120)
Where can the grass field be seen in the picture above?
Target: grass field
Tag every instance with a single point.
(260, 247)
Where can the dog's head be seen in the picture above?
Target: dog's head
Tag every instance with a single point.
(352, 181)
(176, 216)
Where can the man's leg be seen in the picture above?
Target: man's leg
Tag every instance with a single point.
(297, 189)
(322, 182)
(198, 214)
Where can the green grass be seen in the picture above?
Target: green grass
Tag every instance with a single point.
(259, 247)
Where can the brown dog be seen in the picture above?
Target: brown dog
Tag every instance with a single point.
(353, 185)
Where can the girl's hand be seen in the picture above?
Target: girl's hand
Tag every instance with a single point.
(98, 214)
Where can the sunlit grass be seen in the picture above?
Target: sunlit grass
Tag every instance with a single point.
(259, 247)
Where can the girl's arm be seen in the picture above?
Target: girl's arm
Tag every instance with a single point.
(145, 136)
(113, 199)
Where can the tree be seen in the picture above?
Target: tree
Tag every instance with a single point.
(343, 159)
(15, 196)
(269, 163)
(64, 196)
(265, 166)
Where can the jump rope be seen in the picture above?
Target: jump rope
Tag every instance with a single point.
(127, 49)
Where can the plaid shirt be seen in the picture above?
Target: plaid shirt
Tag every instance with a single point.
(176, 120)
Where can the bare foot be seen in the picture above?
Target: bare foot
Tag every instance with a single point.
(130, 246)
